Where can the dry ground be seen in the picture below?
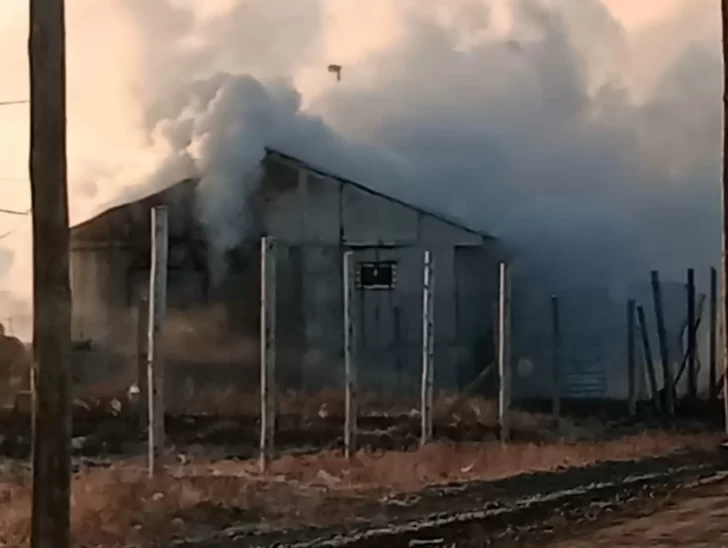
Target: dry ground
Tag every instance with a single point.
(119, 505)
(696, 521)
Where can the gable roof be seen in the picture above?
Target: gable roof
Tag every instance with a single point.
(123, 211)
(270, 152)
(119, 220)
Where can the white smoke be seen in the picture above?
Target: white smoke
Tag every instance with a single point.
(594, 149)
(528, 131)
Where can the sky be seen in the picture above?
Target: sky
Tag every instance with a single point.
(348, 39)
(616, 92)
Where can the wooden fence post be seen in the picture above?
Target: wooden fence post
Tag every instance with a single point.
(647, 356)
(350, 411)
(631, 368)
(428, 348)
(556, 356)
(155, 350)
(142, 347)
(713, 340)
(504, 353)
(692, 337)
(268, 255)
(662, 340)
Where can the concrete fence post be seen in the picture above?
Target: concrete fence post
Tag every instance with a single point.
(268, 254)
(504, 353)
(428, 349)
(155, 351)
(350, 411)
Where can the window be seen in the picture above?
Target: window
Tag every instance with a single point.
(377, 275)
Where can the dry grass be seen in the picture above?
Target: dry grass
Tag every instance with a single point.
(230, 402)
(119, 505)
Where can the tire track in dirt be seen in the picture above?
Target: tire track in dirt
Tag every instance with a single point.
(697, 519)
(489, 513)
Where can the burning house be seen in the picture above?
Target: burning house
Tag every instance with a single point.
(213, 318)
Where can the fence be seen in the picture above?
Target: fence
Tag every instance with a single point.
(387, 346)
(210, 359)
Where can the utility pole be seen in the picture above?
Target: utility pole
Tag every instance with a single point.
(724, 192)
(50, 522)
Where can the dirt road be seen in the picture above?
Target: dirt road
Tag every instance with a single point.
(698, 519)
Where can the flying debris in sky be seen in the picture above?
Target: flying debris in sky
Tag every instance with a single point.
(336, 69)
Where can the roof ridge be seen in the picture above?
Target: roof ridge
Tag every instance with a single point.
(328, 174)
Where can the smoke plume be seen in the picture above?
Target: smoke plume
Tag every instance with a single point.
(591, 148)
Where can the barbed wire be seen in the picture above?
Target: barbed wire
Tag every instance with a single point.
(17, 102)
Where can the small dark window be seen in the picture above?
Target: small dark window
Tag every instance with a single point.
(377, 275)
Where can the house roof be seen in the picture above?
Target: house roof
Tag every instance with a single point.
(365, 188)
(154, 198)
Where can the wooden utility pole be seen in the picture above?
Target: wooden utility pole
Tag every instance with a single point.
(268, 300)
(428, 349)
(50, 526)
(350, 411)
(724, 192)
(504, 353)
(155, 351)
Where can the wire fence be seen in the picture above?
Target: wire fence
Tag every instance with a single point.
(568, 345)
(213, 368)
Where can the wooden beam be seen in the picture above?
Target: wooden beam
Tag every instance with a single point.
(50, 521)
(470, 389)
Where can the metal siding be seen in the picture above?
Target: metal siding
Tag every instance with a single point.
(306, 212)
(434, 231)
(370, 218)
(282, 218)
(323, 310)
(80, 285)
(322, 220)
(290, 338)
(388, 323)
